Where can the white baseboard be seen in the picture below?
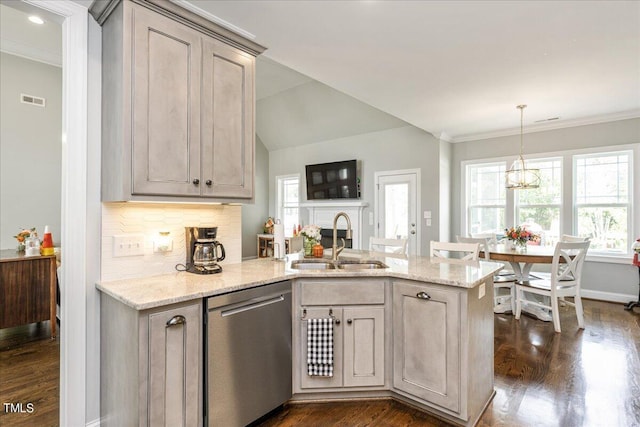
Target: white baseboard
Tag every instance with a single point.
(94, 423)
(608, 296)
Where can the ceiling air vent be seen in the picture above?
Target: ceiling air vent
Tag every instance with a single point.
(33, 100)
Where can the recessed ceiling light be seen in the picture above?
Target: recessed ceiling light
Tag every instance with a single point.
(36, 19)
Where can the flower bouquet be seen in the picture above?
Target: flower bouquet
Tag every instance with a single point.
(22, 236)
(310, 236)
(520, 235)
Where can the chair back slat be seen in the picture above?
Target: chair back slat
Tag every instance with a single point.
(568, 260)
(394, 246)
(467, 251)
(482, 241)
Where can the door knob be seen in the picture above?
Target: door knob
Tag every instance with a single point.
(349, 321)
(196, 181)
(413, 231)
(413, 224)
(209, 182)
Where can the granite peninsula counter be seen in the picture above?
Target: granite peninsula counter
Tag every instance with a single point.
(419, 331)
(157, 291)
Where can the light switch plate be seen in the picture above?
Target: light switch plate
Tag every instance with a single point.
(128, 245)
(481, 290)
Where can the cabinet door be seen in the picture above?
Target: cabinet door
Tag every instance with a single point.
(363, 346)
(174, 358)
(426, 335)
(166, 106)
(307, 381)
(227, 121)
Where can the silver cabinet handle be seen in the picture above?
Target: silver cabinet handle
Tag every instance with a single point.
(176, 320)
(423, 295)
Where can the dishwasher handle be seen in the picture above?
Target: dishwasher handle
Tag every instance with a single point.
(252, 306)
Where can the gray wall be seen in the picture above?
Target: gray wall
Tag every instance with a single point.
(401, 148)
(30, 148)
(602, 280)
(255, 215)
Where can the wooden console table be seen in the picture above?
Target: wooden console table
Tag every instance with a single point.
(27, 289)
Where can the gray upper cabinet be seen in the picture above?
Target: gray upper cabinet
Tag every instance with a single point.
(227, 121)
(178, 105)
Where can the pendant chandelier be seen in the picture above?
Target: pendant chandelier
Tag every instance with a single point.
(519, 177)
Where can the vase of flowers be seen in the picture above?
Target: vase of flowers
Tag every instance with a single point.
(22, 236)
(310, 237)
(518, 237)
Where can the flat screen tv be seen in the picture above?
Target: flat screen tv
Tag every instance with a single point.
(336, 180)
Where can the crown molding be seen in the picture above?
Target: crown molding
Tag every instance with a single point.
(23, 50)
(213, 18)
(541, 127)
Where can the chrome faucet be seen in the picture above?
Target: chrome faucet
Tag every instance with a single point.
(334, 247)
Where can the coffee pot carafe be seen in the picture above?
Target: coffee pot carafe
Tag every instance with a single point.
(203, 251)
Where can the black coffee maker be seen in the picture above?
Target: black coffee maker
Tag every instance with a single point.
(203, 251)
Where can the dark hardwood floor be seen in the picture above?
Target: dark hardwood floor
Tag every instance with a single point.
(29, 376)
(577, 378)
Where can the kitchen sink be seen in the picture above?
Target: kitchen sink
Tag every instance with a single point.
(309, 264)
(361, 265)
(313, 264)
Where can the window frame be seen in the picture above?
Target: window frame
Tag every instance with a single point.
(568, 211)
(630, 198)
(469, 207)
(279, 202)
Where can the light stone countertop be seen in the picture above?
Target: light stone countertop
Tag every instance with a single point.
(156, 291)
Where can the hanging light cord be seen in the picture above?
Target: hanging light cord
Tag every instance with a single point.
(521, 107)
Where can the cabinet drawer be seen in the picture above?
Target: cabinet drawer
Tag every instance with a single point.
(341, 292)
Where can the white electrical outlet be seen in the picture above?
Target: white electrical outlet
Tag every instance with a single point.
(481, 290)
(128, 245)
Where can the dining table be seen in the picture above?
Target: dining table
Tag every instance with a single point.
(522, 261)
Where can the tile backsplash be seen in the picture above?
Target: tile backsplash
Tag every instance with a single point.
(149, 219)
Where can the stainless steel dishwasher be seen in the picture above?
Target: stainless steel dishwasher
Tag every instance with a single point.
(248, 354)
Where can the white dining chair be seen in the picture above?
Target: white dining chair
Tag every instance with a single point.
(573, 239)
(565, 281)
(394, 246)
(500, 282)
(461, 251)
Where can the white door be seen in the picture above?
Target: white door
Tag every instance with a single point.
(397, 207)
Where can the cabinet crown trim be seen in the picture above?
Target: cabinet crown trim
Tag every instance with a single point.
(101, 10)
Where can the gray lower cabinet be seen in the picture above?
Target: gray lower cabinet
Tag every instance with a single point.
(151, 365)
(178, 106)
(426, 335)
(359, 331)
(443, 347)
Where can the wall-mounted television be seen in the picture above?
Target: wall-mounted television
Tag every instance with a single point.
(335, 180)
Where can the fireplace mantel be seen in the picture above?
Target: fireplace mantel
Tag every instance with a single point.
(321, 213)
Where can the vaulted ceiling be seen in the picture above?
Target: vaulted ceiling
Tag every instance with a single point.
(457, 69)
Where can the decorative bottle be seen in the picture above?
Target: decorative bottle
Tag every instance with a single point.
(47, 242)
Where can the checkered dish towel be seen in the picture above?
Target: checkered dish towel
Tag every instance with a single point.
(320, 347)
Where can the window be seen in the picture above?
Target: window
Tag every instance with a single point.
(602, 209)
(287, 202)
(588, 193)
(539, 209)
(486, 198)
